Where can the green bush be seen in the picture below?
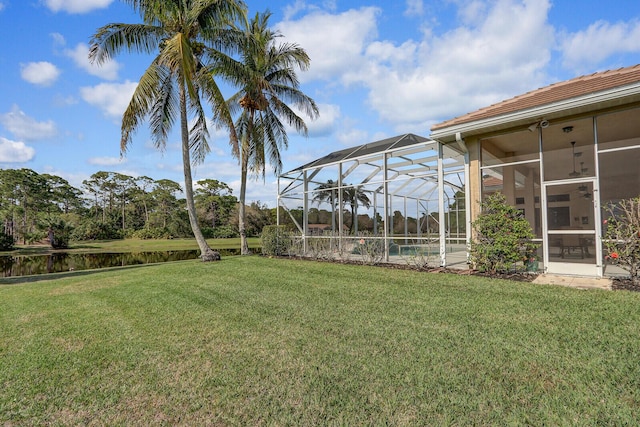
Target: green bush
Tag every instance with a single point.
(151, 233)
(6, 242)
(220, 232)
(96, 230)
(276, 240)
(503, 237)
(59, 234)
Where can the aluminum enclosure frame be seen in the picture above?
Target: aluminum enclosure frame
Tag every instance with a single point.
(407, 193)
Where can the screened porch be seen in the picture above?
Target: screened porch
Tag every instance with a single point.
(397, 199)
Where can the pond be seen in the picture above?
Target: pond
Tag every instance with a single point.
(24, 265)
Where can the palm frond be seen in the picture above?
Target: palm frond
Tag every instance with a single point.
(199, 134)
(164, 110)
(222, 115)
(111, 39)
(144, 96)
(177, 55)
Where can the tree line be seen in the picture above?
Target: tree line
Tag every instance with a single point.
(111, 205)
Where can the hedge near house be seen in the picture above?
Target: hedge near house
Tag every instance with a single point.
(503, 237)
(276, 240)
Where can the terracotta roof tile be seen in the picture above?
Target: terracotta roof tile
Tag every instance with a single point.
(556, 92)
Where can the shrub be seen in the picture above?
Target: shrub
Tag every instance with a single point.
(151, 233)
(276, 240)
(370, 248)
(6, 242)
(96, 230)
(503, 236)
(219, 232)
(622, 238)
(59, 234)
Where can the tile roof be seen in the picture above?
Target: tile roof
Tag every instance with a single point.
(556, 92)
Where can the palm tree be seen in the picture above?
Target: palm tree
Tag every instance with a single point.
(355, 196)
(183, 33)
(265, 74)
(352, 195)
(328, 192)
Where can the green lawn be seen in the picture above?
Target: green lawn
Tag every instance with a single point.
(259, 341)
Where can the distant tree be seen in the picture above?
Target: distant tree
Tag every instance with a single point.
(62, 194)
(165, 200)
(327, 192)
(216, 199)
(351, 195)
(355, 196)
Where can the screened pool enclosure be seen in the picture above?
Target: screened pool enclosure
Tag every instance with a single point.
(398, 197)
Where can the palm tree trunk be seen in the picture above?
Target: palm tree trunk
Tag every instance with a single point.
(244, 247)
(206, 253)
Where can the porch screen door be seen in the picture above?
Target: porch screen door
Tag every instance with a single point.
(571, 241)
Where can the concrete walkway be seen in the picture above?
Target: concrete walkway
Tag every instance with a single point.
(577, 282)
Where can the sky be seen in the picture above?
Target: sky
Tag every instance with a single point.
(379, 68)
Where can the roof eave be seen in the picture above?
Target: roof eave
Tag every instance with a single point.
(447, 134)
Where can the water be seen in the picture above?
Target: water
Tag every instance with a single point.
(24, 265)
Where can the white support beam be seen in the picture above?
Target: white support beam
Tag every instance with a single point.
(305, 214)
(441, 213)
(385, 193)
(340, 205)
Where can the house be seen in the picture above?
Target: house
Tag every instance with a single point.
(560, 154)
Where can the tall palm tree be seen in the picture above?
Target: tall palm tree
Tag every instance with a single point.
(265, 74)
(184, 34)
(328, 192)
(352, 195)
(355, 196)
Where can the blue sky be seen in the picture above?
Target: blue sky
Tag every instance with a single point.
(378, 68)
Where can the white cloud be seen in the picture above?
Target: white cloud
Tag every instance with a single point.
(106, 161)
(76, 6)
(111, 98)
(472, 11)
(414, 7)
(337, 41)
(442, 75)
(58, 39)
(15, 152)
(80, 55)
(64, 101)
(39, 73)
(292, 9)
(324, 124)
(2, 5)
(27, 128)
(353, 137)
(584, 49)
(466, 68)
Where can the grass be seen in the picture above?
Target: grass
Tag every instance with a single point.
(259, 341)
(134, 245)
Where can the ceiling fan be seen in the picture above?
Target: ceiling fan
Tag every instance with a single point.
(575, 173)
(582, 189)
